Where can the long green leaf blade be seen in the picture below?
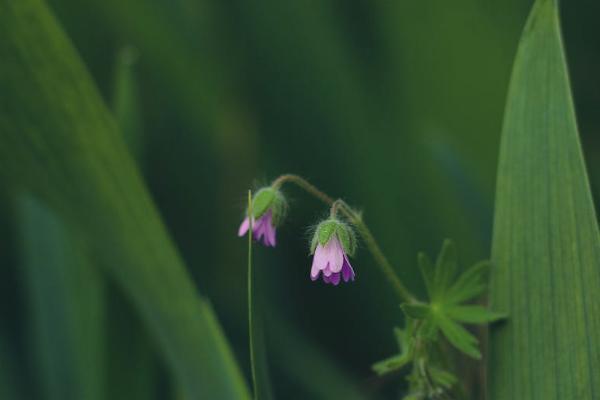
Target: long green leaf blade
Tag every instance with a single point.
(66, 298)
(58, 141)
(546, 248)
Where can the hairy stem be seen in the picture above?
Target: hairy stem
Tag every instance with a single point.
(356, 219)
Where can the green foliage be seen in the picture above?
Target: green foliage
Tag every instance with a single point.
(58, 142)
(400, 360)
(444, 314)
(447, 292)
(67, 302)
(546, 245)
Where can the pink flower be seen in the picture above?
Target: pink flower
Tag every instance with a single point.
(261, 228)
(332, 260)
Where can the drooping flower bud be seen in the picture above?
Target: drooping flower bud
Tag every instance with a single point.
(331, 245)
(268, 211)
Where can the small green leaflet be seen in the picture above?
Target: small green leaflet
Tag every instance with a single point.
(446, 312)
(447, 292)
(400, 360)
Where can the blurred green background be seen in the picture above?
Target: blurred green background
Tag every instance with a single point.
(395, 106)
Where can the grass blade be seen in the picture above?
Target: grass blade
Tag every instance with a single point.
(133, 367)
(66, 297)
(546, 247)
(59, 142)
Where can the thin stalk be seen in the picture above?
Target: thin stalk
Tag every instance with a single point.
(250, 279)
(355, 218)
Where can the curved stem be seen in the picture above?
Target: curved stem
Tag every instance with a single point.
(356, 219)
(304, 184)
(335, 207)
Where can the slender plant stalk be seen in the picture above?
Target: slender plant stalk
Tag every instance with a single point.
(356, 219)
(250, 285)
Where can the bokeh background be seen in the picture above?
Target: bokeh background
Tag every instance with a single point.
(395, 106)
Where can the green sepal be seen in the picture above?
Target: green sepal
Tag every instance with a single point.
(262, 201)
(347, 238)
(269, 199)
(325, 231)
(333, 227)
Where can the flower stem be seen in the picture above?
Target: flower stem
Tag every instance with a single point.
(356, 219)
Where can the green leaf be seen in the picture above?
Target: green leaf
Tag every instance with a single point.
(391, 364)
(59, 142)
(473, 314)
(398, 361)
(546, 244)
(133, 366)
(445, 269)
(442, 377)
(470, 283)
(458, 336)
(258, 354)
(416, 311)
(427, 271)
(66, 296)
(125, 101)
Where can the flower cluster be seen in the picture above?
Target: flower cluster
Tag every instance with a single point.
(332, 242)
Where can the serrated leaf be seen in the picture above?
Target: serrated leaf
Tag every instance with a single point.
(546, 245)
(473, 314)
(458, 336)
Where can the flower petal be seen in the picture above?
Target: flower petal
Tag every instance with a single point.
(336, 260)
(244, 227)
(335, 278)
(271, 234)
(319, 262)
(347, 270)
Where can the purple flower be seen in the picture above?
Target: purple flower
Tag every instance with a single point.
(332, 260)
(261, 228)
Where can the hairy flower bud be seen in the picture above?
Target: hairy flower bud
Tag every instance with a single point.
(268, 211)
(332, 242)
